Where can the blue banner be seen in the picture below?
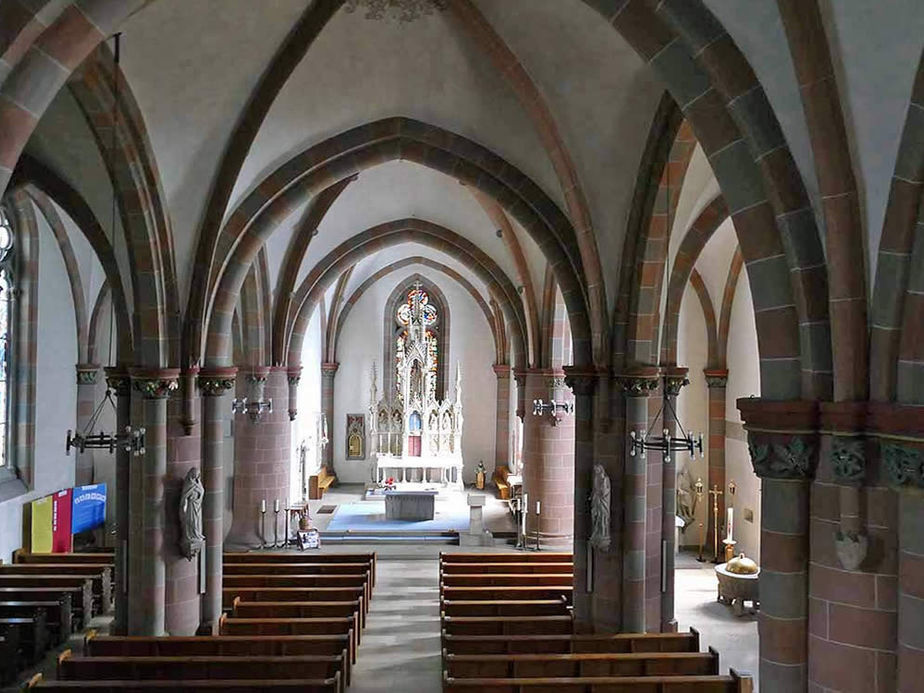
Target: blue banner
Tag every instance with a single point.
(89, 507)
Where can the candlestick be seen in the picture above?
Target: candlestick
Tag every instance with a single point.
(263, 506)
(538, 506)
(276, 526)
(263, 524)
(276, 506)
(715, 493)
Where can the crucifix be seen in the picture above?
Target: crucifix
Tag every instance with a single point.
(715, 493)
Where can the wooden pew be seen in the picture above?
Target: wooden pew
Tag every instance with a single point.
(261, 557)
(191, 668)
(508, 557)
(9, 655)
(72, 599)
(297, 568)
(505, 607)
(224, 645)
(505, 593)
(100, 574)
(33, 634)
(734, 683)
(233, 581)
(332, 685)
(508, 625)
(589, 642)
(319, 483)
(295, 594)
(582, 665)
(242, 609)
(80, 588)
(57, 615)
(564, 568)
(503, 580)
(102, 557)
(232, 626)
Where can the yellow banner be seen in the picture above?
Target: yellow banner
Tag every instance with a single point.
(42, 525)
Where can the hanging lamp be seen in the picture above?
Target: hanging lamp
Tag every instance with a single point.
(131, 439)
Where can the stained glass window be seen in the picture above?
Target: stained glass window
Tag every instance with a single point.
(417, 306)
(6, 297)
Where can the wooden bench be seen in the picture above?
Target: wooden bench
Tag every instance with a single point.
(589, 642)
(80, 588)
(319, 667)
(295, 594)
(337, 625)
(332, 685)
(99, 574)
(502, 580)
(500, 480)
(563, 568)
(505, 607)
(508, 625)
(33, 634)
(75, 600)
(514, 592)
(106, 558)
(319, 483)
(734, 683)
(363, 581)
(582, 665)
(298, 568)
(57, 615)
(263, 557)
(242, 609)
(508, 557)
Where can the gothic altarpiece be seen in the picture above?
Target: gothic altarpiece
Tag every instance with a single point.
(412, 432)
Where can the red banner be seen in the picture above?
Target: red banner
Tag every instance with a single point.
(61, 537)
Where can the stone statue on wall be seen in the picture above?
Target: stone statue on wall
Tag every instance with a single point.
(686, 497)
(600, 509)
(192, 540)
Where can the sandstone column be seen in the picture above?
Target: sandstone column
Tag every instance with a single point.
(293, 376)
(637, 384)
(548, 462)
(784, 453)
(213, 384)
(86, 402)
(674, 379)
(502, 428)
(155, 387)
(262, 459)
(716, 380)
(119, 382)
(328, 373)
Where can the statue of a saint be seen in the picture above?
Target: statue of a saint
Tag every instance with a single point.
(600, 509)
(191, 538)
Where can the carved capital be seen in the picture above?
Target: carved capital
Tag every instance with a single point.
(848, 459)
(581, 382)
(293, 375)
(638, 382)
(716, 377)
(520, 377)
(119, 381)
(502, 370)
(157, 383)
(555, 381)
(674, 380)
(87, 373)
(329, 369)
(782, 456)
(214, 382)
(258, 374)
(904, 464)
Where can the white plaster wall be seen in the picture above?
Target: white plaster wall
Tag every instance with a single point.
(693, 402)
(471, 344)
(305, 427)
(56, 390)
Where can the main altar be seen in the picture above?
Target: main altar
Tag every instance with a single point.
(415, 437)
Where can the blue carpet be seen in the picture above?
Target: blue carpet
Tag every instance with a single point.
(370, 515)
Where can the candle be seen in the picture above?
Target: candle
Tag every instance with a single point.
(538, 503)
(276, 506)
(263, 506)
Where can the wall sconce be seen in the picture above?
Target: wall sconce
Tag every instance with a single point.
(255, 409)
(553, 409)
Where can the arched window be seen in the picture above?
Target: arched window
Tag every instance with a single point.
(6, 333)
(418, 300)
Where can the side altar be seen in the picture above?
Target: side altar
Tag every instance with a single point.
(416, 437)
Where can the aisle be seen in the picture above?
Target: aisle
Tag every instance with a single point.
(400, 650)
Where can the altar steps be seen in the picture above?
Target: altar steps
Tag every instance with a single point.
(447, 537)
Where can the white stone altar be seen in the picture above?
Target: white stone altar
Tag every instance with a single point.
(413, 506)
(448, 470)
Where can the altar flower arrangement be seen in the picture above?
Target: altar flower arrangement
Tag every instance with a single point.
(389, 483)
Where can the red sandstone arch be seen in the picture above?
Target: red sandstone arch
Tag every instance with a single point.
(345, 155)
(705, 302)
(333, 324)
(393, 233)
(728, 299)
(103, 297)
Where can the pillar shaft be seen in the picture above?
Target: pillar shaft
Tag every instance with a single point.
(119, 382)
(548, 463)
(911, 587)
(262, 459)
(213, 384)
(716, 380)
(293, 375)
(502, 428)
(637, 385)
(674, 380)
(155, 387)
(86, 402)
(328, 373)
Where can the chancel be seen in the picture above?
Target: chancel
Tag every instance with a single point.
(462, 345)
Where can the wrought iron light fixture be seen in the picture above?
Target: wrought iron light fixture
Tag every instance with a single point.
(254, 408)
(666, 443)
(403, 10)
(553, 409)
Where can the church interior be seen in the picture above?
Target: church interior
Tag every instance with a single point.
(462, 345)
